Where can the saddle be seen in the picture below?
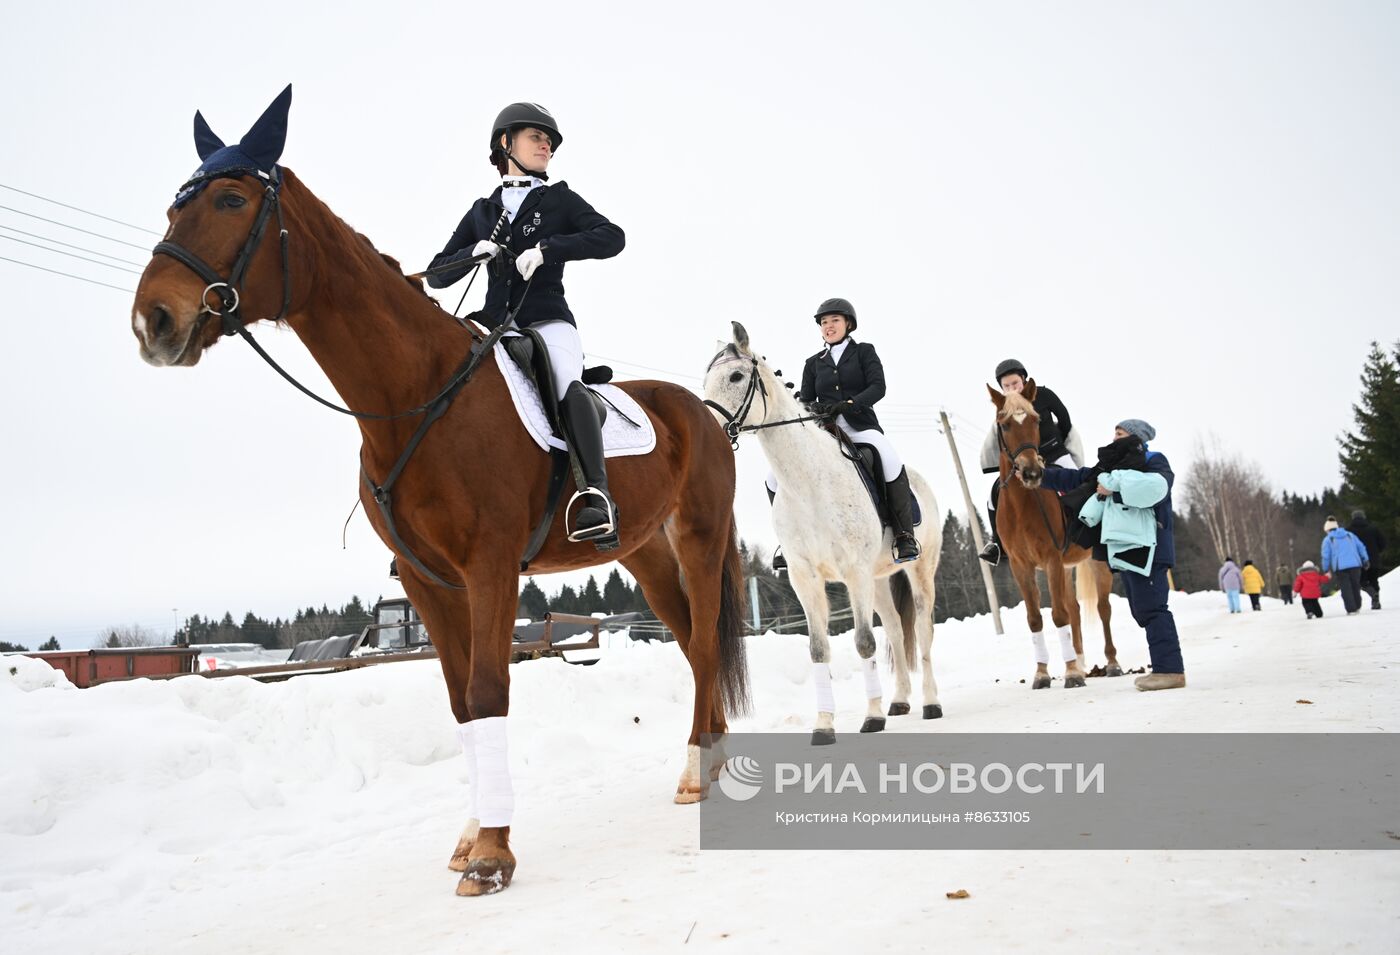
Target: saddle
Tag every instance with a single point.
(867, 464)
(530, 354)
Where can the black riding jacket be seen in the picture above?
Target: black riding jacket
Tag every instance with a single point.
(555, 218)
(859, 378)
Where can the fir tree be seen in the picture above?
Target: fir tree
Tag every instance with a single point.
(1370, 455)
(51, 644)
(617, 596)
(533, 602)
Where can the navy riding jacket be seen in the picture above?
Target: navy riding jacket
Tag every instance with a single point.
(555, 218)
(859, 378)
(1067, 479)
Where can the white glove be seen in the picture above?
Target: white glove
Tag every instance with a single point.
(487, 248)
(528, 261)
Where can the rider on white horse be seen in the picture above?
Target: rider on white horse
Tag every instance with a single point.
(543, 226)
(1054, 441)
(845, 380)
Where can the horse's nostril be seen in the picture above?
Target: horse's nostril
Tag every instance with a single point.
(162, 322)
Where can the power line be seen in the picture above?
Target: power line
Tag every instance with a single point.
(69, 245)
(73, 255)
(74, 228)
(68, 275)
(96, 215)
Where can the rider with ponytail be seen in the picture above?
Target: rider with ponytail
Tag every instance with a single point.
(527, 229)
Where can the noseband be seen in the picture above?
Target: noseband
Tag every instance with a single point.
(1013, 455)
(732, 420)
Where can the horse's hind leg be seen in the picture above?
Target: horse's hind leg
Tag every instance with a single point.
(1063, 611)
(897, 637)
(811, 593)
(862, 594)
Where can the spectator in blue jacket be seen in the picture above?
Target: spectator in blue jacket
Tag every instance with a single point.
(1344, 556)
(1147, 593)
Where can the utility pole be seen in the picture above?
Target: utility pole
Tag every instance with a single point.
(974, 523)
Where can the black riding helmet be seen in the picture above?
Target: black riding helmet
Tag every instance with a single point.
(837, 306)
(1011, 367)
(518, 116)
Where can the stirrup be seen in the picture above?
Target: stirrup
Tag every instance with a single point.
(894, 549)
(597, 531)
(779, 561)
(991, 554)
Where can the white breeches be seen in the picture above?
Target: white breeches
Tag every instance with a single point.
(890, 462)
(565, 353)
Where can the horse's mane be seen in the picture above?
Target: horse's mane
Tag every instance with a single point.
(1016, 403)
(393, 263)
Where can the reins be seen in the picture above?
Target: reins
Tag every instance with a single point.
(732, 427)
(1011, 457)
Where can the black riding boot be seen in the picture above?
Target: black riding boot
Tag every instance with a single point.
(992, 552)
(779, 561)
(906, 547)
(596, 519)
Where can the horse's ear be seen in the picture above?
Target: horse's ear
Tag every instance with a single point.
(263, 143)
(205, 142)
(998, 398)
(741, 337)
(1028, 392)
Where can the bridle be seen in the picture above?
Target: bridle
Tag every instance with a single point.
(1011, 456)
(732, 427)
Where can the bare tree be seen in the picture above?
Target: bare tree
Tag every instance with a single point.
(132, 636)
(1235, 504)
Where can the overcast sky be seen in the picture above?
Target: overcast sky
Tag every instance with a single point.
(1184, 212)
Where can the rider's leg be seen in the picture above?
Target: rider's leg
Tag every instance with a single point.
(896, 480)
(992, 552)
(596, 516)
(770, 484)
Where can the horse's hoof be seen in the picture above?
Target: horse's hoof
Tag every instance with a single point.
(486, 876)
(899, 709)
(1041, 683)
(873, 724)
(459, 860)
(933, 711)
(1073, 679)
(823, 737)
(1113, 669)
(688, 795)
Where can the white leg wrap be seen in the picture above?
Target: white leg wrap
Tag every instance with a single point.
(1067, 644)
(467, 736)
(1042, 652)
(495, 796)
(821, 680)
(872, 678)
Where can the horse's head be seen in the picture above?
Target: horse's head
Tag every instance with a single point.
(221, 257)
(739, 384)
(1018, 433)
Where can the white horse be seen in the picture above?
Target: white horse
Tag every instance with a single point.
(830, 531)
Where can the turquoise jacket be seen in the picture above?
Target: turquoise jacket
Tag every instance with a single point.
(1129, 523)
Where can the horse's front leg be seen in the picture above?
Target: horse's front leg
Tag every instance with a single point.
(862, 594)
(1064, 611)
(811, 593)
(1024, 573)
(490, 863)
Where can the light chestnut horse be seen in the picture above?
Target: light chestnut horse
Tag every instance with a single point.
(1035, 534)
(475, 488)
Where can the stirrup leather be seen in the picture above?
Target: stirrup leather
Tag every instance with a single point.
(607, 529)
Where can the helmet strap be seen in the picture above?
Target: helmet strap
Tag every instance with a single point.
(510, 158)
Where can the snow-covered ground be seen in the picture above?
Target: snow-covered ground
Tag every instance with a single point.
(317, 815)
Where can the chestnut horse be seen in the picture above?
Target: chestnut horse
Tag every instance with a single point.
(475, 487)
(1035, 534)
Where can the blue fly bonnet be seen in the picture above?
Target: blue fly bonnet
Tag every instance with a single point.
(256, 154)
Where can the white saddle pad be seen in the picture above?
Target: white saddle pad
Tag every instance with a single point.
(620, 437)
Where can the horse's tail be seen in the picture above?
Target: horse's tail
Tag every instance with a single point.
(733, 659)
(1086, 587)
(903, 593)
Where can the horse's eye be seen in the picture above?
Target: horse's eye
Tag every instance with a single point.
(231, 200)
(736, 376)
(1005, 426)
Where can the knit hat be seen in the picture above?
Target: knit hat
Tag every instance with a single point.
(1138, 427)
(1308, 565)
(1358, 515)
(1330, 525)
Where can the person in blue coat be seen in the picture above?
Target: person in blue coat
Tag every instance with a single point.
(527, 229)
(1344, 556)
(1147, 593)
